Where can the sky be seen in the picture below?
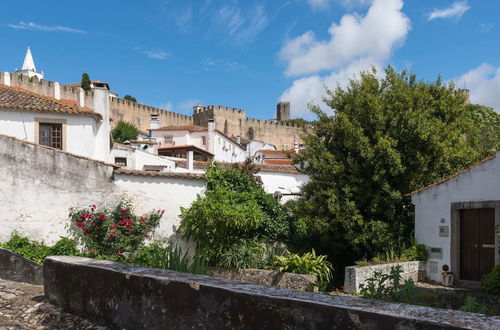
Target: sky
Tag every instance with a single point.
(174, 54)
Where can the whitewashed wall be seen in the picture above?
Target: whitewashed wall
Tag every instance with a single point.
(226, 150)
(283, 182)
(161, 192)
(81, 130)
(38, 186)
(433, 206)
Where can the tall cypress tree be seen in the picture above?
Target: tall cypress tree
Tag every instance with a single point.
(86, 82)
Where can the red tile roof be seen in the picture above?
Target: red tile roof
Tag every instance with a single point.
(285, 161)
(273, 152)
(190, 128)
(15, 98)
(185, 146)
(451, 176)
(184, 175)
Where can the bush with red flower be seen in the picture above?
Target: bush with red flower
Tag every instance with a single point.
(112, 231)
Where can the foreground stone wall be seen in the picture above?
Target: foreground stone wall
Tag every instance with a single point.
(292, 281)
(14, 267)
(133, 297)
(356, 275)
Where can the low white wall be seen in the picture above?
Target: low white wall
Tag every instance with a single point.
(357, 275)
(150, 192)
(38, 186)
(283, 182)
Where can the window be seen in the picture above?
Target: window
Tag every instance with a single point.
(204, 140)
(121, 161)
(168, 139)
(51, 135)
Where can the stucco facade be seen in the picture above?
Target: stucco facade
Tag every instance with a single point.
(437, 209)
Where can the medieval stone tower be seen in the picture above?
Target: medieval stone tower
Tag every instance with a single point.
(283, 111)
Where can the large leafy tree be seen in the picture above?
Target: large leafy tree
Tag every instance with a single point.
(386, 137)
(484, 136)
(124, 131)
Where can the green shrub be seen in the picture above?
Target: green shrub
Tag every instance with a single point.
(241, 255)
(124, 131)
(472, 306)
(417, 252)
(112, 231)
(38, 251)
(388, 286)
(167, 257)
(309, 263)
(491, 282)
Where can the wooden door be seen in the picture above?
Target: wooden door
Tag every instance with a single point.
(477, 243)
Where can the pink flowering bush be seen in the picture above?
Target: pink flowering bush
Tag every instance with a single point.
(104, 231)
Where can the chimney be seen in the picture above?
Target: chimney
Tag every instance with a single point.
(190, 160)
(6, 79)
(81, 97)
(154, 123)
(296, 147)
(211, 136)
(57, 91)
(283, 111)
(238, 139)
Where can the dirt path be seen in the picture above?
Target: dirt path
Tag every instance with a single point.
(23, 306)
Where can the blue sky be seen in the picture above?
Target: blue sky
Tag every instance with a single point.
(251, 54)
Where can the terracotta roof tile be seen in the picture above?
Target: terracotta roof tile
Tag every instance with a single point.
(184, 175)
(14, 98)
(268, 161)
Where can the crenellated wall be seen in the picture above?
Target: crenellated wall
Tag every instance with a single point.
(231, 121)
(140, 114)
(234, 122)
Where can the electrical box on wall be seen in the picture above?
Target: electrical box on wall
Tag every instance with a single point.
(435, 253)
(444, 231)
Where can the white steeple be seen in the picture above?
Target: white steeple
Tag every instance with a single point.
(29, 68)
(28, 63)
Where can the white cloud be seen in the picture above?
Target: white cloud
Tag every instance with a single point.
(214, 64)
(319, 4)
(184, 19)
(187, 106)
(166, 106)
(349, 4)
(241, 26)
(483, 83)
(155, 53)
(355, 44)
(37, 27)
(456, 10)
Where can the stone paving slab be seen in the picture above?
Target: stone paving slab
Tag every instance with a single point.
(23, 306)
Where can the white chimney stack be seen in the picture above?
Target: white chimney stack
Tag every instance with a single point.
(6, 79)
(57, 91)
(154, 123)
(190, 160)
(211, 136)
(81, 98)
(238, 139)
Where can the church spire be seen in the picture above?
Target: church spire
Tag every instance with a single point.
(29, 68)
(28, 63)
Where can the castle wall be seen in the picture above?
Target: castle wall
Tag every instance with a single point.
(231, 121)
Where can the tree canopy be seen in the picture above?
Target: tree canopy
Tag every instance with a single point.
(130, 98)
(387, 136)
(85, 84)
(124, 131)
(484, 136)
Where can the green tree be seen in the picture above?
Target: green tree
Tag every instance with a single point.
(234, 211)
(124, 131)
(386, 137)
(484, 136)
(85, 84)
(130, 98)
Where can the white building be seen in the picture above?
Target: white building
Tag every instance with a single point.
(51, 122)
(134, 157)
(205, 143)
(29, 68)
(458, 219)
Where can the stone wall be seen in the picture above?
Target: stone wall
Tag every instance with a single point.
(292, 281)
(133, 297)
(234, 122)
(14, 267)
(356, 275)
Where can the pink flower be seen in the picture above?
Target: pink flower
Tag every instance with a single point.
(123, 211)
(80, 224)
(102, 217)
